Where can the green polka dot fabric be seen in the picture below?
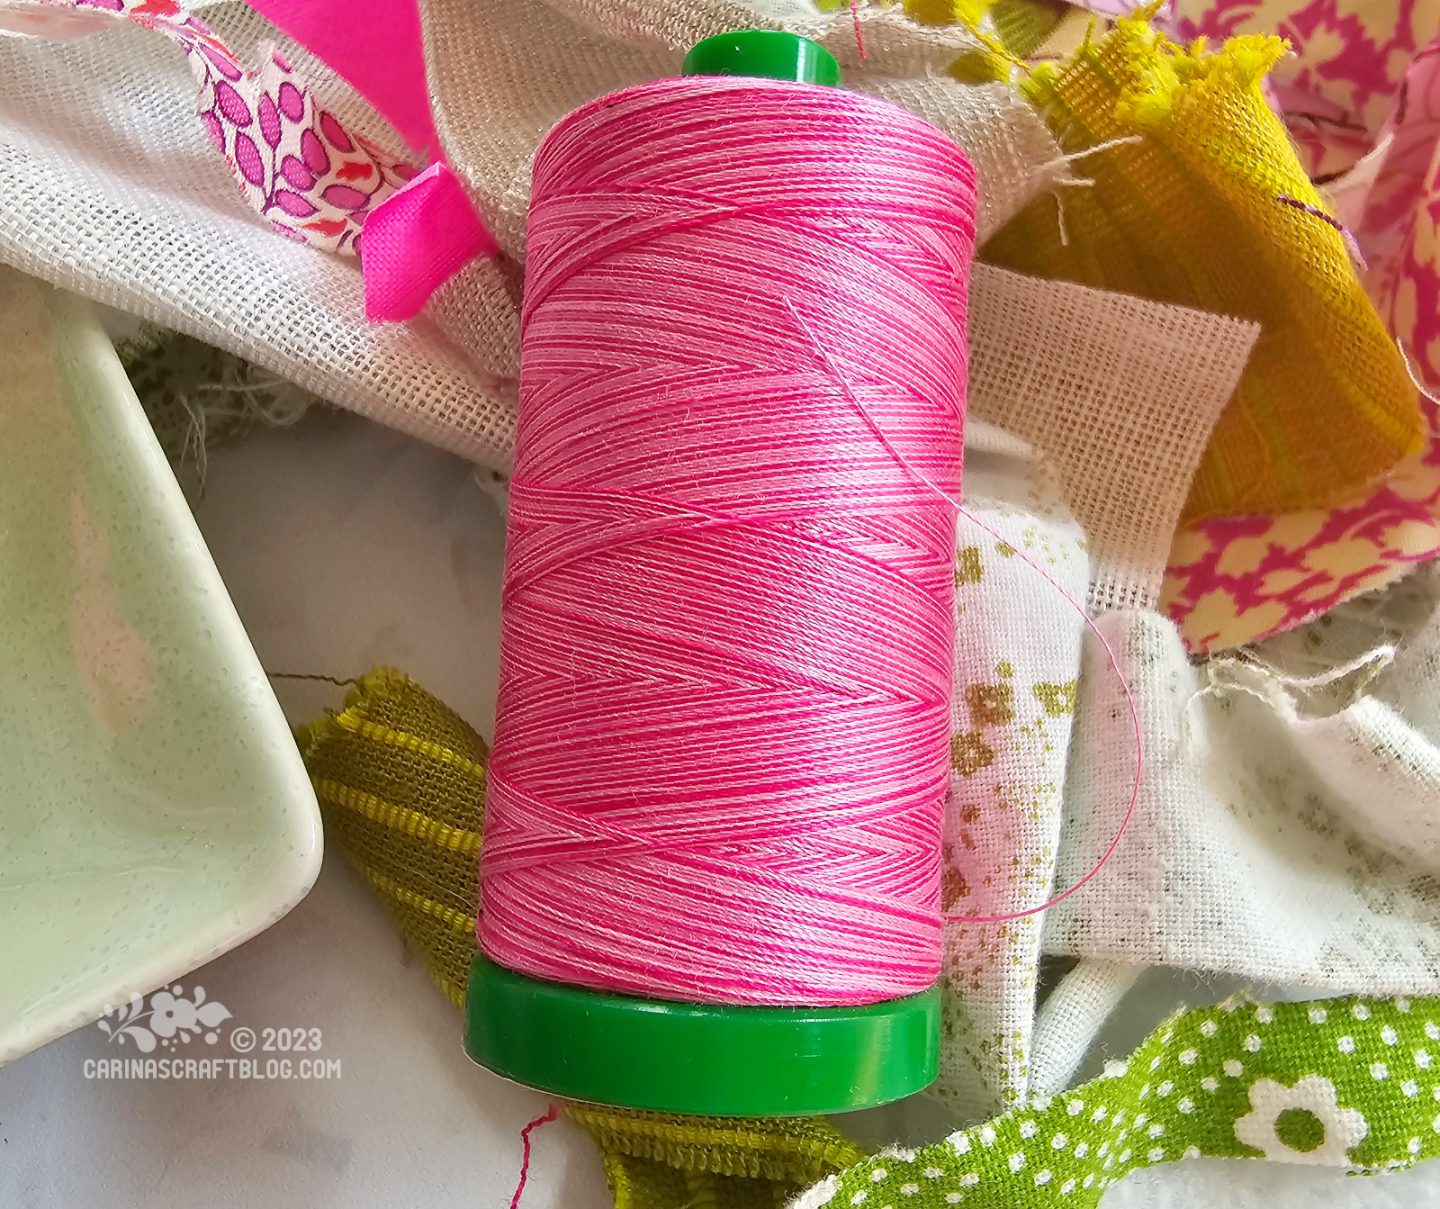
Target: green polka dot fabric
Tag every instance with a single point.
(1343, 1082)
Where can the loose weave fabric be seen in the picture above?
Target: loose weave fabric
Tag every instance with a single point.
(1337, 90)
(1085, 374)
(1364, 108)
(659, 1162)
(1191, 212)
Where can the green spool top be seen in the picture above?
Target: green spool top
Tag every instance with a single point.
(711, 1059)
(769, 53)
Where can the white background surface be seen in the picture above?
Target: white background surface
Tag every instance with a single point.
(345, 546)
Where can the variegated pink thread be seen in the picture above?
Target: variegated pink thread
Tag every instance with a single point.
(722, 742)
(539, 1122)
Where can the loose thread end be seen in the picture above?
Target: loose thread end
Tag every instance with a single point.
(544, 1119)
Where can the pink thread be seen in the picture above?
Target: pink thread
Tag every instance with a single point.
(722, 742)
(859, 36)
(901, 460)
(1134, 721)
(549, 1115)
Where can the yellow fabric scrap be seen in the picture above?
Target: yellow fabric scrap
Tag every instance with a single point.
(1207, 208)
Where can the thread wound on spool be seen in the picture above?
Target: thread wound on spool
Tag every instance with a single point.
(722, 736)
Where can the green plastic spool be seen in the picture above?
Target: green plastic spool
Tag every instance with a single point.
(767, 53)
(699, 1058)
(710, 1059)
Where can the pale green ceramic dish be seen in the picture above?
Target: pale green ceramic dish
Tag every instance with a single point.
(154, 811)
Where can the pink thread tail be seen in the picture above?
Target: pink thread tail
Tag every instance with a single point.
(549, 1115)
(855, 23)
(941, 493)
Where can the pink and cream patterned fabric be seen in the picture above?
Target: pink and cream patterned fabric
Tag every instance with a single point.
(1236, 579)
(1400, 217)
(296, 164)
(1361, 97)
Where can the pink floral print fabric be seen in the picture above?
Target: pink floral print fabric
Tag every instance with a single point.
(1236, 579)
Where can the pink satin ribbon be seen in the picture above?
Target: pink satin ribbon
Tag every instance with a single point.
(416, 240)
(376, 45)
(421, 236)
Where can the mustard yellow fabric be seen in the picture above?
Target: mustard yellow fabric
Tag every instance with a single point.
(658, 1162)
(1205, 209)
(401, 783)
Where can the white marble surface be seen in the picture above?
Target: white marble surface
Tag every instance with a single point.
(345, 546)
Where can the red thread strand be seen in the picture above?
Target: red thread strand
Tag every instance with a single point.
(859, 36)
(544, 1119)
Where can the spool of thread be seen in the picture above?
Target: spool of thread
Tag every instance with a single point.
(711, 870)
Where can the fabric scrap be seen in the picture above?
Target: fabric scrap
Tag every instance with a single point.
(401, 783)
(1189, 212)
(1234, 580)
(1119, 394)
(1282, 835)
(665, 1162)
(294, 162)
(1344, 1083)
(1011, 715)
(1337, 89)
(1360, 95)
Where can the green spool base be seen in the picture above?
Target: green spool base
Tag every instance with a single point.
(711, 1059)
